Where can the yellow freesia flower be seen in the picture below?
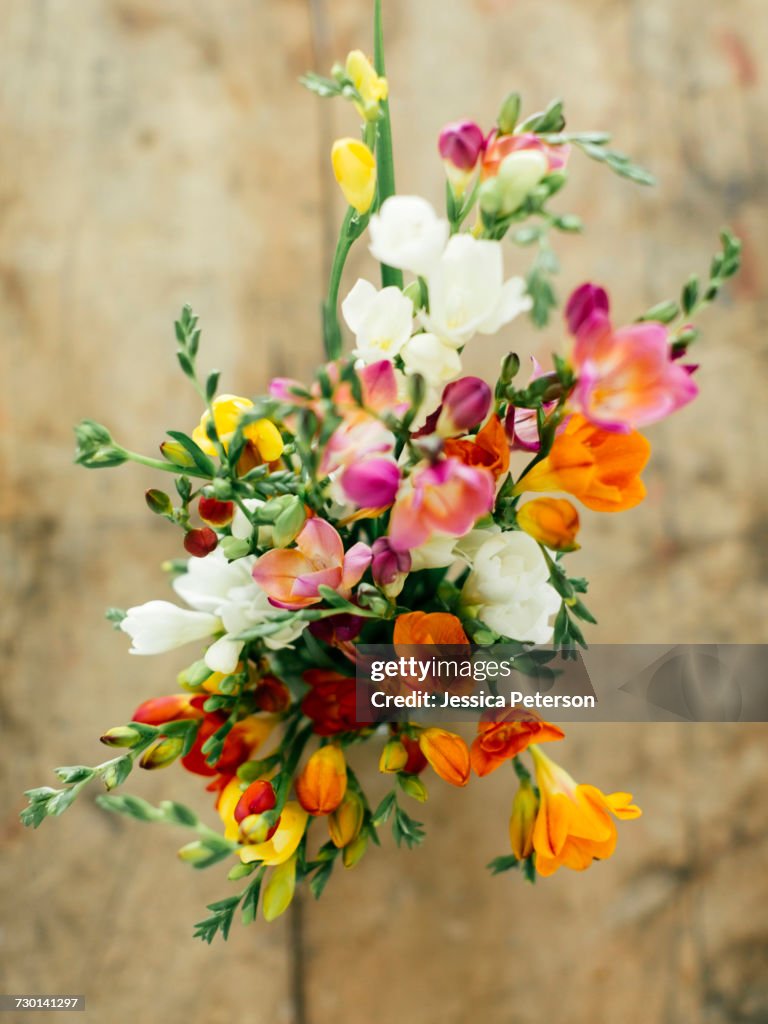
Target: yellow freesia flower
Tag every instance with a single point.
(372, 87)
(354, 168)
(227, 412)
(282, 845)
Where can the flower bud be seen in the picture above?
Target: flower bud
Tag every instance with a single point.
(279, 890)
(354, 168)
(519, 174)
(372, 483)
(414, 787)
(121, 736)
(525, 807)
(258, 797)
(509, 367)
(194, 852)
(215, 512)
(372, 88)
(509, 113)
(322, 784)
(461, 143)
(553, 522)
(289, 522)
(161, 753)
(354, 851)
(234, 548)
(465, 403)
(159, 710)
(416, 762)
(393, 757)
(158, 502)
(345, 822)
(177, 455)
(389, 567)
(585, 302)
(200, 543)
(272, 695)
(447, 753)
(95, 447)
(258, 828)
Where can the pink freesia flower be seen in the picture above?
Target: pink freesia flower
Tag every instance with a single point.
(447, 497)
(521, 424)
(461, 143)
(500, 146)
(291, 578)
(627, 378)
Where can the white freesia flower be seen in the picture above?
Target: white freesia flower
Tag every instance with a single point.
(519, 174)
(508, 588)
(225, 598)
(437, 361)
(159, 626)
(467, 291)
(407, 233)
(381, 321)
(435, 553)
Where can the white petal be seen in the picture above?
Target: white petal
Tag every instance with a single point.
(357, 304)
(224, 655)
(407, 233)
(513, 301)
(386, 325)
(159, 626)
(208, 580)
(436, 360)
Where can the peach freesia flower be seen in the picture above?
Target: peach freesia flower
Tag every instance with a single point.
(446, 497)
(291, 577)
(489, 448)
(574, 824)
(428, 628)
(599, 467)
(500, 739)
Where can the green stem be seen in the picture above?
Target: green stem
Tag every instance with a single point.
(331, 327)
(166, 467)
(385, 168)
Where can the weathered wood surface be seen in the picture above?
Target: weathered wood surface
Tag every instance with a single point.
(156, 151)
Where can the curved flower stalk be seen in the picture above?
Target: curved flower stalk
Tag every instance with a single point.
(394, 500)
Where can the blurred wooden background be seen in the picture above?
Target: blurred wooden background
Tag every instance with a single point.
(161, 151)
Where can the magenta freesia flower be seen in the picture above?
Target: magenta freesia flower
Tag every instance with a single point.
(372, 483)
(465, 403)
(627, 377)
(461, 143)
(447, 497)
(291, 578)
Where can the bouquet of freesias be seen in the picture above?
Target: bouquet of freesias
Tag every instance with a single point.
(392, 500)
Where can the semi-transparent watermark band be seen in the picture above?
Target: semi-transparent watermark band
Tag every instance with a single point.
(605, 683)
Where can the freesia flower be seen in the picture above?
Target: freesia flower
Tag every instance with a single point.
(499, 739)
(407, 233)
(501, 147)
(372, 87)
(465, 403)
(389, 568)
(159, 626)
(345, 823)
(434, 553)
(599, 467)
(574, 825)
(521, 424)
(436, 360)
(291, 577)
(359, 460)
(285, 840)
(626, 377)
(508, 588)
(522, 820)
(428, 628)
(279, 890)
(447, 754)
(263, 436)
(467, 291)
(321, 786)
(447, 497)
(354, 168)
(330, 703)
(553, 522)
(381, 321)
(489, 448)
(460, 144)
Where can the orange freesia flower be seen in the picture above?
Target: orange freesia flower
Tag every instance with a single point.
(553, 522)
(501, 739)
(345, 823)
(322, 784)
(600, 468)
(428, 628)
(447, 753)
(523, 820)
(574, 824)
(489, 448)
